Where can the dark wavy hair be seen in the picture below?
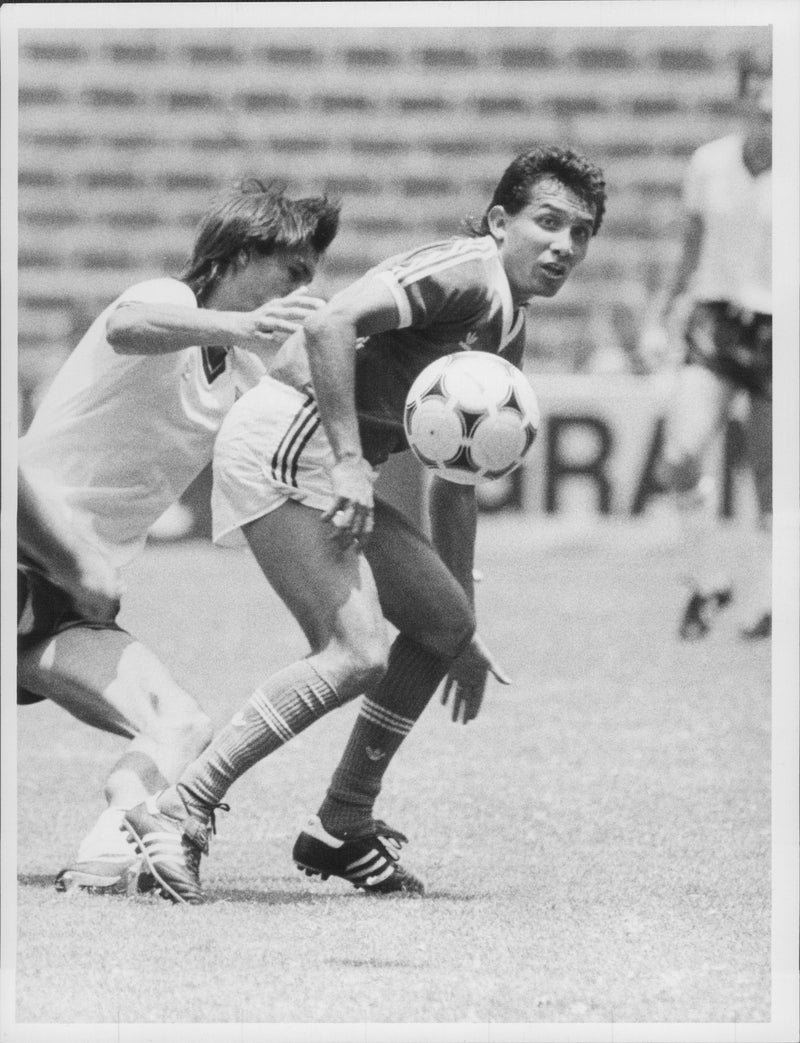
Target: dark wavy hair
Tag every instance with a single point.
(257, 218)
(513, 191)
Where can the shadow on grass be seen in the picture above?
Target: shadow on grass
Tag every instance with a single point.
(271, 895)
(36, 879)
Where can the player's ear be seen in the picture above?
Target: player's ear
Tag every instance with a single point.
(497, 219)
(242, 257)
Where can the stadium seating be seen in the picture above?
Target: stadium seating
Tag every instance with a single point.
(124, 136)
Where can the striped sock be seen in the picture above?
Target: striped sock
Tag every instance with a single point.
(287, 703)
(386, 717)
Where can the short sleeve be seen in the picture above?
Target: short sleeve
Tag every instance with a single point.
(443, 284)
(159, 291)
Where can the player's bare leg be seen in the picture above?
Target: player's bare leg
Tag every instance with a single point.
(757, 611)
(432, 613)
(332, 594)
(698, 409)
(106, 678)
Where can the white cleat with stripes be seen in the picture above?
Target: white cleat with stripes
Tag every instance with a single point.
(369, 861)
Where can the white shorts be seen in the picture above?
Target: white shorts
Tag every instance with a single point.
(271, 448)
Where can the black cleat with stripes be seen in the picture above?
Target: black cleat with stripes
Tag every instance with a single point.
(370, 861)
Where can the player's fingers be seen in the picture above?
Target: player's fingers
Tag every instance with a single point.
(449, 684)
(457, 699)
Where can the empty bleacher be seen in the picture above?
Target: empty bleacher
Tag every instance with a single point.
(125, 134)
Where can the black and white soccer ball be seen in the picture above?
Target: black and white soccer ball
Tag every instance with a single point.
(471, 417)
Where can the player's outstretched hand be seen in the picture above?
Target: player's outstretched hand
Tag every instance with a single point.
(467, 677)
(276, 320)
(351, 513)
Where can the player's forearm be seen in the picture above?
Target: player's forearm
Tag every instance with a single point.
(331, 350)
(454, 518)
(157, 329)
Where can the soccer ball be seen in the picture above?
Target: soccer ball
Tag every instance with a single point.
(471, 417)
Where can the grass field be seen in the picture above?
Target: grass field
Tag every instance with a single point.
(596, 845)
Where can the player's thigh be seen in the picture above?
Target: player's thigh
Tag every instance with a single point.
(418, 593)
(759, 449)
(328, 588)
(699, 404)
(108, 679)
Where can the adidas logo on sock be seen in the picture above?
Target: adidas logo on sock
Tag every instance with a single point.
(375, 755)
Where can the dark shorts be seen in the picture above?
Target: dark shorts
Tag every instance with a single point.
(44, 610)
(733, 343)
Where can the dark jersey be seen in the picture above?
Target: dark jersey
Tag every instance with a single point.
(451, 296)
(733, 343)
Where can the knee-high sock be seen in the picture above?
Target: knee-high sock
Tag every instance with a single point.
(287, 703)
(386, 717)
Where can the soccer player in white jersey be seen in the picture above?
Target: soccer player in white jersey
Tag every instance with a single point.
(294, 469)
(127, 424)
(724, 269)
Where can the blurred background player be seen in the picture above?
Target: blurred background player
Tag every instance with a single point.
(724, 268)
(127, 424)
(329, 414)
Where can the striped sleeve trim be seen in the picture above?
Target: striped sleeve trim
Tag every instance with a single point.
(403, 307)
(459, 252)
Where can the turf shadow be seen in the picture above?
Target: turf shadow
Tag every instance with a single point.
(36, 879)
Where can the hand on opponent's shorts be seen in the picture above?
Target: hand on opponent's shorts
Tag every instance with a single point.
(351, 512)
(467, 677)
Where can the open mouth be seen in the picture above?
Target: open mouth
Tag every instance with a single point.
(554, 271)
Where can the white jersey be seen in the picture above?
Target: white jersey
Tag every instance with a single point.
(118, 438)
(735, 261)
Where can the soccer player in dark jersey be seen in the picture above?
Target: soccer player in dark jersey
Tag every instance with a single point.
(294, 469)
(724, 269)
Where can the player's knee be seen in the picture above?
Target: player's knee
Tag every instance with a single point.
(368, 664)
(448, 637)
(681, 474)
(358, 663)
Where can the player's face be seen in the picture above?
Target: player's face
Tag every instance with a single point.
(541, 244)
(260, 279)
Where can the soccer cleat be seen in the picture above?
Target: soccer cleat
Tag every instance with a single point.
(104, 876)
(171, 847)
(760, 629)
(104, 863)
(701, 611)
(369, 861)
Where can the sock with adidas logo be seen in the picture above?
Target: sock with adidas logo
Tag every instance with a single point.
(386, 717)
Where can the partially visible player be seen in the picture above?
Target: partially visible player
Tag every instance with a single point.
(294, 469)
(127, 424)
(53, 546)
(724, 268)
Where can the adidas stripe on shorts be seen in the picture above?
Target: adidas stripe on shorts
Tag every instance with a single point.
(271, 448)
